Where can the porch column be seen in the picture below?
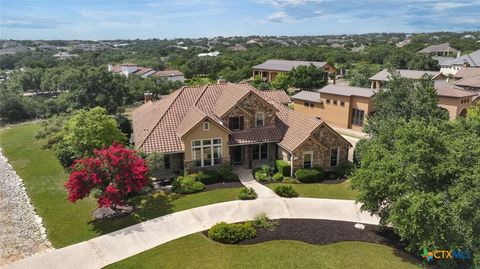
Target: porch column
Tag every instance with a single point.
(248, 156)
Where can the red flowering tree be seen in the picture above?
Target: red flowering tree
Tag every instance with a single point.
(115, 171)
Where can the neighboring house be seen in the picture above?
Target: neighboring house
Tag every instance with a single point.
(443, 49)
(347, 107)
(172, 75)
(65, 56)
(466, 72)
(131, 69)
(270, 69)
(463, 61)
(202, 127)
(238, 47)
(342, 106)
(378, 80)
(454, 99)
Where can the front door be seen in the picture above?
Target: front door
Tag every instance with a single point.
(237, 155)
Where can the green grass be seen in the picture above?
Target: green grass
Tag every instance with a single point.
(197, 251)
(68, 223)
(322, 190)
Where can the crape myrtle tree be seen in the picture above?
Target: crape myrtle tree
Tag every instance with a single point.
(116, 172)
(420, 173)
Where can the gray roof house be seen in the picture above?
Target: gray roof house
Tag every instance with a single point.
(443, 49)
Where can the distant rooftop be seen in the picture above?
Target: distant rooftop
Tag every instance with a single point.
(285, 65)
(444, 47)
(347, 90)
(384, 75)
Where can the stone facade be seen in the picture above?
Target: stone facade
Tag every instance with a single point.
(249, 120)
(253, 103)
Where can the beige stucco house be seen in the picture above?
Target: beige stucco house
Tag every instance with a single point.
(203, 127)
(342, 106)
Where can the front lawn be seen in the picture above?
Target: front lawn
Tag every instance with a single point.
(322, 190)
(198, 251)
(68, 223)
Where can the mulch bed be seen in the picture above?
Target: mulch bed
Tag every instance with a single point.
(223, 185)
(323, 232)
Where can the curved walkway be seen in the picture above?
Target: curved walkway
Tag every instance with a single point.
(247, 179)
(110, 248)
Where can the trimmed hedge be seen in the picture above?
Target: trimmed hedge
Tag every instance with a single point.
(225, 172)
(286, 191)
(344, 170)
(310, 175)
(208, 176)
(283, 167)
(231, 233)
(262, 177)
(247, 194)
(187, 184)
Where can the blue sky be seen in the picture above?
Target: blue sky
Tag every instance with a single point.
(111, 19)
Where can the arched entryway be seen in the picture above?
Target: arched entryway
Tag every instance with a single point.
(463, 113)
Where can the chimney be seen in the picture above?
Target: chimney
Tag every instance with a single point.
(221, 81)
(465, 64)
(148, 97)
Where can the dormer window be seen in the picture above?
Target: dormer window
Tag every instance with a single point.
(206, 126)
(259, 119)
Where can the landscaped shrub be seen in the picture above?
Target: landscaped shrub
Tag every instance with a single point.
(289, 180)
(267, 169)
(309, 175)
(277, 176)
(225, 172)
(262, 177)
(344, 170)
(187, 184)
(283, 167)
(208, 176)
(262, 221)
(247, 194)
(286, 191)
(231, 233)
(255, 170)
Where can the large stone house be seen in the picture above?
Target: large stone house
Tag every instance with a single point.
(207, 126)
(443, 49)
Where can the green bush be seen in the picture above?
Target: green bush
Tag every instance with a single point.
(231, 233)
(262, 177)
(309, 175)
(289, 180)
(266, 169)
(187, 184)
(255, 170)
(286, 191)
(283, 167)
(247, 194)
(277, 176)
(208, 176)
(262, 221)
(225, 172)
(343, 170)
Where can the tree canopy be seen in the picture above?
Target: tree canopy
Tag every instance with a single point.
(308, 77)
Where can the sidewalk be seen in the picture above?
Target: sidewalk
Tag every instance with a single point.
(247, 179)
(119, 245)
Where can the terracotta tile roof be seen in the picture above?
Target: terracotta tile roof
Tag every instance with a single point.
(347, 90)
(168, 73)
(473, 82)
(384, 75)
(277, 96)
(467, 72)
(256, 135)
(444, 47)
(449, 90)
(159, 126)
(285, 65)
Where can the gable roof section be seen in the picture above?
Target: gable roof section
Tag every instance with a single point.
(228, 99)
(308, 96)
(347, 91)
(473, 82)
(384, 75)
(467, 72)
(285, 65)
(277, 96)
(448, 90)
